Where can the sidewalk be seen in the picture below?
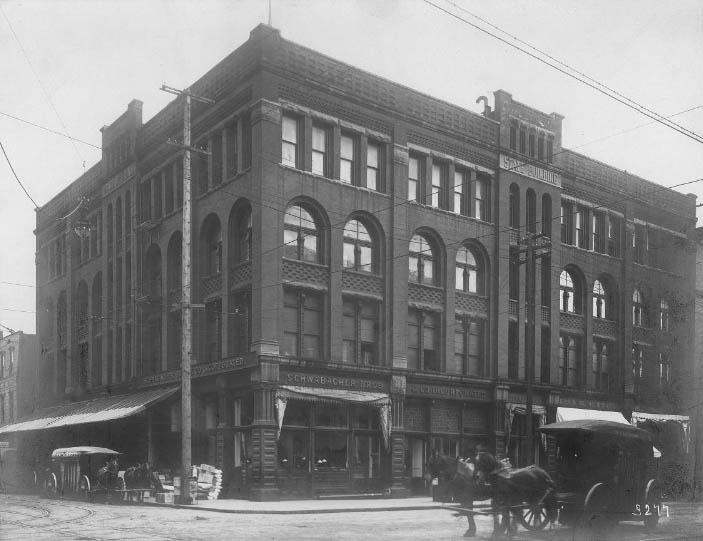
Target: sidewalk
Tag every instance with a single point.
(296, 507)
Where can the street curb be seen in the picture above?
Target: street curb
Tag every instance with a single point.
(293, 511)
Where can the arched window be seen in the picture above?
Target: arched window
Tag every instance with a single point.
(301, 235)
(600, 307)
(531, 209)
(547, 215)
(469, 274)
(421, 261)
(358, 247)
(514, 206)
(570, 299)
(212, 246)
(664, 315)
(639, 318)
(244, 234)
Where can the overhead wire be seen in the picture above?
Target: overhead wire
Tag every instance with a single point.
(599, 87)
(7, 158)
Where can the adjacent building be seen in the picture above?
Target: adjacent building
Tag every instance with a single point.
(364, 281)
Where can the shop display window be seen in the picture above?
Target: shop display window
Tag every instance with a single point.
(366, 418)
(330, 449)
(331, 415)
(297, 414)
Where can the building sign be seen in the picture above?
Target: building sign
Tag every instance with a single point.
(338, 382)
(199, 370)
(443, 391)
(508, 163)
(584, 403)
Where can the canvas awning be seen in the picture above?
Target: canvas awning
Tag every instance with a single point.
(576, 414)
(96, 410)
(381, 401)
(639, 417)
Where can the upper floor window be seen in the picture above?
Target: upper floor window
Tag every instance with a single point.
(514, 206)
(639, 316)
(550, 149)
(523, 140)
(243, 237)
(2, 364)
(600, 308)
(212, 240)
(531, 210)
(664, 315)
(358, 251)
(347, 159)
(540, 147)
(360, 342)
(600, 364)
(546, 215)
(580, 218)
(461, 187)
(513, 135)
(481, 198)
(320, 150)
(422, 261)
(423, 340)
(301, 236)
(570, 293)
(373, 166)
(439, 179)
(639, 244)
(598, 232)
(664, 366)
(532, 144)
(566, 220)
(414, 179)
(302, 324)
(290, 141)
(11, 364)
(468, 272)
(468, 345)
(570, 360)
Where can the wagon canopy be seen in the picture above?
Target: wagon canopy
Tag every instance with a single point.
(597, 432)
(66, 452)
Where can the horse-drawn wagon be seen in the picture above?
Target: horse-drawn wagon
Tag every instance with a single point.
(602, 474)
(88, 471)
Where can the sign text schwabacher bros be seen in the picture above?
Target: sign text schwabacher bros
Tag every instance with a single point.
(353, 384)
(443, 391)
(508, 163)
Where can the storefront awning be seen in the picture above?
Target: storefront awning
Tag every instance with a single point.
(90, 411)
(576, 414)
(639, 418)
(382, 401)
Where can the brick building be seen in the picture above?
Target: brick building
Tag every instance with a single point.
(19, 353)
(357, 252)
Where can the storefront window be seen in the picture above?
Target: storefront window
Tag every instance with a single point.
(367, 454)
(366, 418)
(297, 414)
(331, 415)
(330, 449)
(294, 450)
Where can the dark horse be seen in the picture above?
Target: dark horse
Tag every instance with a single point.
(107, 475)
(514, 487)
(462, 484)
(139, 477)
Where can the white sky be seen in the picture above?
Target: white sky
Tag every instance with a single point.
(91, 57)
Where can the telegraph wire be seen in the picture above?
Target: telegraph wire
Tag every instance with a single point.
(596, 86)
(41, 84)
(667, 119)
(16, 177)
(48, 130)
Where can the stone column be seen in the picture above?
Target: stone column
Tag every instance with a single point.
(264, 433)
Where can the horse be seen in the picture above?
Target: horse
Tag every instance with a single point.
(462, 483)
(107, 475)
(139, 476)
(513, 487)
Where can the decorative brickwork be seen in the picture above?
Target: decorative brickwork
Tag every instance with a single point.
(444, 418)
(427, 295)
(475, 304)
(212, 285)
(240, 275)
(298, 271)
(362, 283)
(415, 418)
(604, 327)
(572, 322)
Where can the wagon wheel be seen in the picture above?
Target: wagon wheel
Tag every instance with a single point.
(653, 502)
(50, 486)
(84, 486)
(532, 516)
(597, 514)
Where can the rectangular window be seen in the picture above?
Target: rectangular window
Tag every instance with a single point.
(540, 148)
(550, 150)
(239, 322)
(436, 198)
(523, 141)
(320, 144)
(460, 187)
(581, 238)
(566, 220)
(613, 236)
(598, 233)
(513, 351)
(312, 326)
(639, 244)
(414, 178)
(359, 331)
(373, 167)
(475, 351)
(480, 199)
(532, 146)
(430, 342)
(231, 149)
(413, 340)
(514, 275)
(216, 158)
(290, 141)
(347, 159)
(168, 189)
(513, 135)
(291, 323)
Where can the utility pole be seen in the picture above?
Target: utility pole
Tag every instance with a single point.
(186, 290)
(536, 246)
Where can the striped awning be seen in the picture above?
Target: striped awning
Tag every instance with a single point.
(96, 410)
